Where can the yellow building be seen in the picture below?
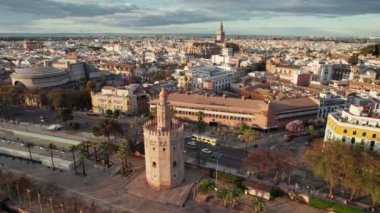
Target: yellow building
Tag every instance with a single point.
(131, 99)
(358, 125)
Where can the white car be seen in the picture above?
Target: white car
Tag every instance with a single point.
(192, 143)
(207, 151)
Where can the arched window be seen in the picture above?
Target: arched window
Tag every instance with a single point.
(154, 164)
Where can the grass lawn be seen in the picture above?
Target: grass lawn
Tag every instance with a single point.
(338, 208)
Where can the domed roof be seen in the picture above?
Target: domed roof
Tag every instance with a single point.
(38, 70)
(35, 72)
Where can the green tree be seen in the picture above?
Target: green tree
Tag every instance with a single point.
(236, 193)
(95, 146)
(225, 195)
(106, 128)
(371, 50)
(201, 124)
(116, 113)
(258, 204)
(137, 125)
(65, 115)
(243, 127)
(52, 147)
(248, 136)
(30, 146)
(327, 161)
(352, 173)
(205, 187)
(354, 59)
(82, 156)
(123, 153)
(56, 98)
(72, 149)
(371, 176)
(149, 116)
(109, 112)
(105, 149)
(90, 85)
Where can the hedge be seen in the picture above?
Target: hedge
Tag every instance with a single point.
(227, 176)
(336, 207)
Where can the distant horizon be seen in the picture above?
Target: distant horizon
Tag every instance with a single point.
(66, 34)
(322, 18)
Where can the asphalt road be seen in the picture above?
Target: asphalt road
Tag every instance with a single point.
(229, 157)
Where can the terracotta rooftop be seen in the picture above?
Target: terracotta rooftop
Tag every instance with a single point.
(294, 104)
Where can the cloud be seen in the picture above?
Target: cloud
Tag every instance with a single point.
(66, 15)
(57, 9)
(310, 7)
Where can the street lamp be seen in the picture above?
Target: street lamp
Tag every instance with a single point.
(216, 171)
(39, 201)
(30, 203)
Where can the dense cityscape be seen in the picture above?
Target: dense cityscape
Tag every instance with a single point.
(188, 122)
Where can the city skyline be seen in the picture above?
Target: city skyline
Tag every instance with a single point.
(253, 17)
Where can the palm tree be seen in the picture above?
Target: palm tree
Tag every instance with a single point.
(137, 126)
(248, 136)
(52, 147)
(200, 115)
(106, 128)
(86, 147)
(30, 146)
(82, 156)
(205, 187)
(106, 151)
(225, 195)
(201, 124)
(95, 146)
(236, 193)
(122, 154)
(258, 204)
(72, 149)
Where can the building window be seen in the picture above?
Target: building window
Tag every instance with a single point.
(373, 135)
(174, 164)
(173, 147)
(364, 134)
(345, 131)
(154, 164)
(354, 132)
(154, 148)
(163, 149)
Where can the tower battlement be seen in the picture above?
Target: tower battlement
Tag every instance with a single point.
(163, 142)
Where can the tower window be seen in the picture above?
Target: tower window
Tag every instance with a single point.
(174, 163)
(154, 164)
(154, 148)
(173, 147)
(163, 149)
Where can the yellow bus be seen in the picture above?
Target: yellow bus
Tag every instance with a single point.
(204, 139)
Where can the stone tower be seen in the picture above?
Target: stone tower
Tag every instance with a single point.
(164, 146)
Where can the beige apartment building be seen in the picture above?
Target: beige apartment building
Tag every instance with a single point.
(131, 99)
(235, 111)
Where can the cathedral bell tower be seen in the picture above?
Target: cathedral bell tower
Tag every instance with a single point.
(220, 34)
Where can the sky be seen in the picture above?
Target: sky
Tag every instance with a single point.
(249, 17)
